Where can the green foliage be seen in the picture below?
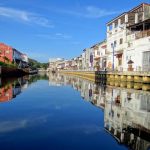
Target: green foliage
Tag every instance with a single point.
(11, 65)
(35, 64)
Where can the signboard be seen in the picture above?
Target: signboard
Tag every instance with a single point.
(91, 58)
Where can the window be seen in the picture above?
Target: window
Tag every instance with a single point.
(121, 41)
(98, 53)
(115, 43)
(116, 24)
(7, 52)
(110, 27)
(1, 51)
(120, 61)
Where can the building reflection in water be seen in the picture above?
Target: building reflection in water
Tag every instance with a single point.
(126, 111)
(11, 87)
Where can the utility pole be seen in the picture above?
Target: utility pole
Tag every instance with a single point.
(113, 45)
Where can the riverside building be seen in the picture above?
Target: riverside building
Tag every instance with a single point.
(128, 40)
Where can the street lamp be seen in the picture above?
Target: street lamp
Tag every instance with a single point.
(113, 45)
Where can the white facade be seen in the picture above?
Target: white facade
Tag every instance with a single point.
(135, 52)
(53, 63)
(100, 56)
(116, 43)
(88, 59)
(83, 60)
(128, 40)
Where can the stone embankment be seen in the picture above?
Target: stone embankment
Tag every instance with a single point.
(136, 80)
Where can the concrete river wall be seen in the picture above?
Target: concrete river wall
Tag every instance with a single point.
(136, 80)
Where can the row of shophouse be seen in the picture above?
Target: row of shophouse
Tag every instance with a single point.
(10, 55)
(126, 48)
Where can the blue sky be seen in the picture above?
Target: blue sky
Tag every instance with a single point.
(57, 28)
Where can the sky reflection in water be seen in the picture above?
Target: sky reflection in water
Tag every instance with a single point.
(47, 112)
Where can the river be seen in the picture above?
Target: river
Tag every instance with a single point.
(59, 112)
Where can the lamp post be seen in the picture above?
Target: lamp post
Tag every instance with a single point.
(113, 45)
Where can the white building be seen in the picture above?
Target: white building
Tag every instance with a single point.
(116, 42)
(138, 40)
(88, 59)
(53, 63)
(83, 60)
(99, 51)
(128, 40)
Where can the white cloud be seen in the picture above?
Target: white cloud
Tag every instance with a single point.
(62, 36)
(25, 17)
(94, 12)
(12, 125)
(8, 126)
(89, 12)
(57, 36)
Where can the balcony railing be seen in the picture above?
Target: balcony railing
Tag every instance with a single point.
(139, 34)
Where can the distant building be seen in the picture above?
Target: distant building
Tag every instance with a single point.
(74, 64)
(53, 64)
(87, 57)
(99, 52)
(68, 64)
(79, 62)
(83, 60)
(20, 59)
(9, 55)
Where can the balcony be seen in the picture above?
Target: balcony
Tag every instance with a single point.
(97, 58)
(138, 34)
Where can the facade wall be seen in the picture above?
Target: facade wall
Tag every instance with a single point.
(135, 53)
(87, 57)
(116, 43)
(91, 59)
(6, 53)
(17, 55)
(83, 61)
(25, 58)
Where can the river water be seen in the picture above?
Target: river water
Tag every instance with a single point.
(57, 112)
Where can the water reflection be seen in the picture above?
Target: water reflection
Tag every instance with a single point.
(11, 87)
(126, 111)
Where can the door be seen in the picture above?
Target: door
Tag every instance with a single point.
(146, 61)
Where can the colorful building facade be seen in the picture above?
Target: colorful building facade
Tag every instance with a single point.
(11, 55)
(6, 53)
